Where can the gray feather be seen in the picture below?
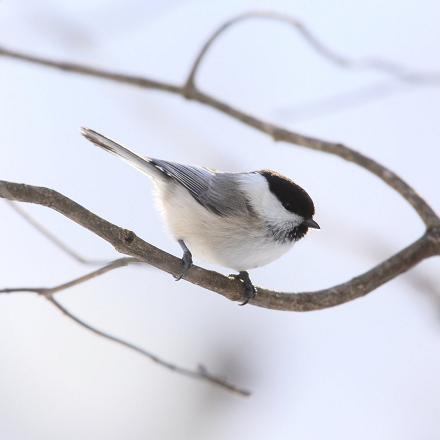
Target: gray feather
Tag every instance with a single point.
(218, 192)
(143, 165)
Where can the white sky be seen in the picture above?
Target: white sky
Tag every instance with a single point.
(368, 369)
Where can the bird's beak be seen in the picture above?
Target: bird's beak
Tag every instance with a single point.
(311, 223)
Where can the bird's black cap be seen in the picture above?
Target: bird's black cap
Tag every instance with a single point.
(292, 196)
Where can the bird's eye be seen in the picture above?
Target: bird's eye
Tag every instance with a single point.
(287, 205)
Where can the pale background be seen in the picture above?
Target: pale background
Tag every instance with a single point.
(364, 370)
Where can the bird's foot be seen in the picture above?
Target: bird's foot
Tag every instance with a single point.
(250, 291)
(186, 261)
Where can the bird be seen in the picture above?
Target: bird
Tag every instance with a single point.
(240, 221)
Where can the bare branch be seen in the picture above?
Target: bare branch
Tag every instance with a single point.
(128, 243)
(52, 238)
(278, 133)
(200, 374)
(383, 66)
(48, 292)
(90, 71)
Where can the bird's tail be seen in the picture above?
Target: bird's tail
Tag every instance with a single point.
(143, 165)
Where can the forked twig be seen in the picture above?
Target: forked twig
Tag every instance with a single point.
(201, 373)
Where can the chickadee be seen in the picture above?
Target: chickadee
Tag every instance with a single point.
(237, 220)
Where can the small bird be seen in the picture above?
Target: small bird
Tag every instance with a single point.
(237, 220)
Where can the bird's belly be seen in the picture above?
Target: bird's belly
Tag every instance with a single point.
(243, 254)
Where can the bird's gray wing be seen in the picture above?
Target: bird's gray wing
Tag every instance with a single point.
(218, 192)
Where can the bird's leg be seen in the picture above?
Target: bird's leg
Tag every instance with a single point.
(186, 260)
(249, 289)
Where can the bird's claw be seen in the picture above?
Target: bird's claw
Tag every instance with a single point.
(186, 266)
(250, 291)
(186, 260)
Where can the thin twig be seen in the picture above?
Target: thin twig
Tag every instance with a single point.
(200, 374)
(52, 238)
(48, 292)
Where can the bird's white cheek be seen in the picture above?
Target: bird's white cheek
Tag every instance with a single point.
(265, 203)
(270, 208)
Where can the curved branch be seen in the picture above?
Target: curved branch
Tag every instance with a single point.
(128, 243)
(392, 69)
(426, 213)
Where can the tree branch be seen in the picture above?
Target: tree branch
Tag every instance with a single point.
(200, 374)
(278, 133)
(90, 71)
(126, 242)
(48, 293)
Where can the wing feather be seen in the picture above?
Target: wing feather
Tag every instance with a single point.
(218, 192)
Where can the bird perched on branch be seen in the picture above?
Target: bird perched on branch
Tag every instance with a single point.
(237, 220)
